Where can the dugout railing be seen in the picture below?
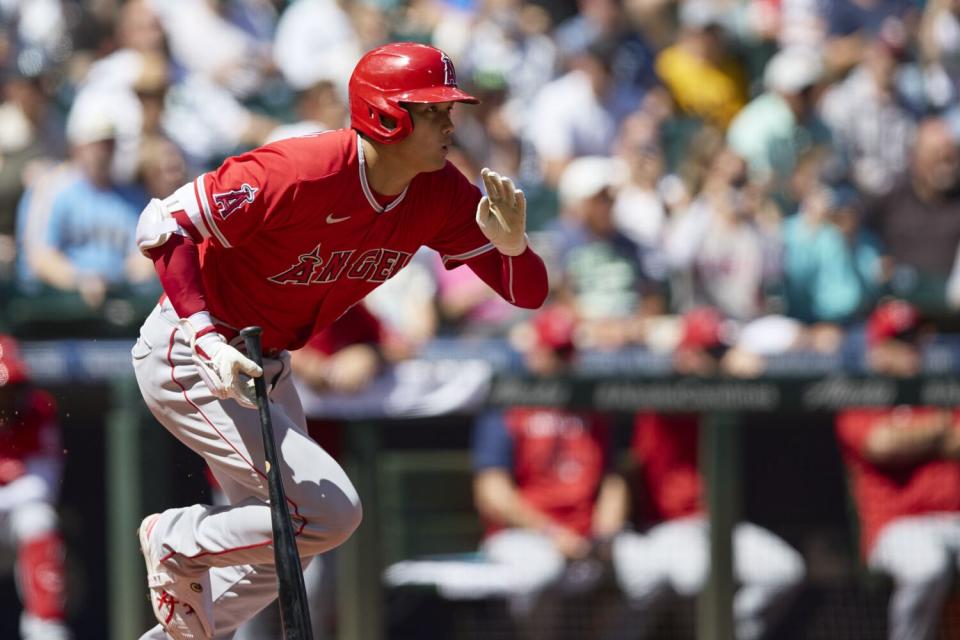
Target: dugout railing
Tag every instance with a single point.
(624, 382)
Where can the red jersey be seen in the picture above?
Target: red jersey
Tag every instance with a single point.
(31, 432)
(557, 459)
(666, 448)
(293, 235)
(356, 326)
(883, 494)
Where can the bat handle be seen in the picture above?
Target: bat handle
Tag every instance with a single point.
(251, 339)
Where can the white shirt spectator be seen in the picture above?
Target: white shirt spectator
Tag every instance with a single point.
(640, 215)
(205, 43)
(567, 120)
(316, 41)
(873, 133)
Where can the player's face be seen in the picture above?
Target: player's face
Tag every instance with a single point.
(426, 148)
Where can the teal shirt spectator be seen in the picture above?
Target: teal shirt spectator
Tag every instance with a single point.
(827, 278)
(770, 139)
(94, 228)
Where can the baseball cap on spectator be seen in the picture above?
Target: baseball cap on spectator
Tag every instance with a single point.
(13, 370)
(703, 328)
(553, 329)
(588, 176)
(890, 320)
(792, 70)
(89, 124)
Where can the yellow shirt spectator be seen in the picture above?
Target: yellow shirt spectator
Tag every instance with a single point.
(702, 88)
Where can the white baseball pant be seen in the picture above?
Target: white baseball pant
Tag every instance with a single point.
(921, 554)
(674, 555)
(233, 542)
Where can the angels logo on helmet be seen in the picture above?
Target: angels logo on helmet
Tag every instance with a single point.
(449, 73)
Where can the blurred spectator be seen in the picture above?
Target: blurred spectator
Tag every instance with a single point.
(797, 23)
(31, 463)
(319, 108)
(606, 278)
(704, 78)
(939, 52)
(594, 20)
(832, 268)
(506, 46)
(671, 558)
(146, 92)
(577, 114)
(488, 136)
(203, 39)
(31, 138)
(162, 168)
(724, 248)
(467, 307)
(918, 222)
(316, 41)
(779, 126)
(87, 245)
(852, 23)
(544, 479)
(904, 469)
(870, 120)
(130, 83)
(643, 201)
(38, 29)
(406, 306)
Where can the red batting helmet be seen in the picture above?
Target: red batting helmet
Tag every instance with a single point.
(396, 73)
(12, 367)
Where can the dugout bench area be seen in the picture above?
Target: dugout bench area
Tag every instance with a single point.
(767, 454)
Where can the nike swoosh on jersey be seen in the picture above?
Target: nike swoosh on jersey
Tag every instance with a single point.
(334, 220)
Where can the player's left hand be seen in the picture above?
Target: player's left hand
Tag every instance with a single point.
(220, 366)
(502, 214)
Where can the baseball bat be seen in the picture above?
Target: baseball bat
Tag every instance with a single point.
(294, 613)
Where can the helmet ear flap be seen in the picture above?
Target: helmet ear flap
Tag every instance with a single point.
(387, 122)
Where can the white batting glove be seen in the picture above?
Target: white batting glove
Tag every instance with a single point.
(502, 214)
(220, 366)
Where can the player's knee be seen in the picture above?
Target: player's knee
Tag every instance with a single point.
(932, 571)
(333, 522)
(788, 571)
(33, 520)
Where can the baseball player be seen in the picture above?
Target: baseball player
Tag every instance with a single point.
(903, 464)
(671, 557)
(288, 237)
(31, 462)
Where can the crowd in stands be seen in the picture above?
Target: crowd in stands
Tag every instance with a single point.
(715, 180)
(792, 159)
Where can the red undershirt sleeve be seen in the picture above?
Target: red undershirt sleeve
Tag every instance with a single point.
(177, 262)
(520, 280)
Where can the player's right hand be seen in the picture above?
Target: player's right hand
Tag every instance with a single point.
(220, 366)
(502, 214)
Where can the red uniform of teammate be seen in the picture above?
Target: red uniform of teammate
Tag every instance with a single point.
(31, 460)
(904, 468)
(288, 237)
